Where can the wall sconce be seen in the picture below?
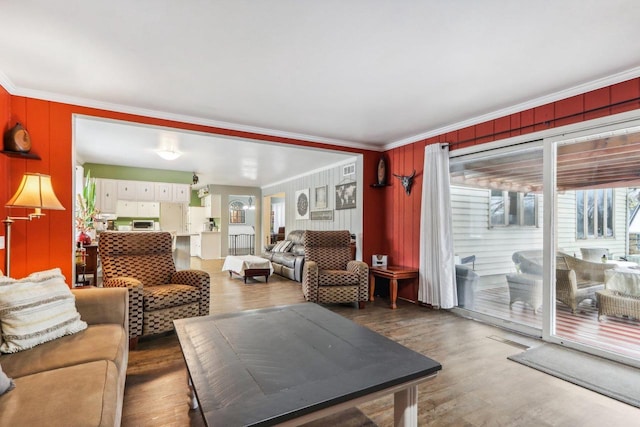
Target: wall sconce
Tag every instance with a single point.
(35, 192)
(251, 206)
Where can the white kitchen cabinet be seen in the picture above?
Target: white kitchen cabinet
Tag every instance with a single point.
(164, 192)
(210, 244)
(145, 191)
(195, 245)
(213, 205)
(133, 209)
(148, 210)
(106, 195)
(127, 208)
(126, 190)
(181, 193)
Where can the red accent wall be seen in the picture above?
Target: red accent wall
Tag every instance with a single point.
(391, 218)
(48, 242)
(5, 117)
(402, 229)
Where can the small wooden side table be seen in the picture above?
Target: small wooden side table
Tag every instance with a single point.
(393, 273)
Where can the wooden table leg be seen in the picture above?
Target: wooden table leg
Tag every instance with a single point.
(405, 407)
(372, 286)
(393, 290)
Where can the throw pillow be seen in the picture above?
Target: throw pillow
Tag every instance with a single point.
(6, 383)
(283, 246)
(36, 309)
(278, 245)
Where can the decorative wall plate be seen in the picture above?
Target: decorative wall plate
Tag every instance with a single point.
(302, 204)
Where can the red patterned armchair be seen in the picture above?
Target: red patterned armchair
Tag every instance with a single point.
(329, 274)
(158, 294)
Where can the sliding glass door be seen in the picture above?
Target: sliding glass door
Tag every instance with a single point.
(547, 238)
(497, 206)
(596, 274)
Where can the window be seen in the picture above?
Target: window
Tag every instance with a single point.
(509, 208)
(594, 213)
(236, 212)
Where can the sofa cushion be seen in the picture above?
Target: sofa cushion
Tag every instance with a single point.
(337, 278)
(166, 296)
(81, 395)
(97, 342)
(36, 309)
(6, 383)
(283, 246)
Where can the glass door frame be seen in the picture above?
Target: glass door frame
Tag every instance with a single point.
(573, 133)
(551, 139)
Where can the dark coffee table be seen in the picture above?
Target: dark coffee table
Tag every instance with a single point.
(293, 364)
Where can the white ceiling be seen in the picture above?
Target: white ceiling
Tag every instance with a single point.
(361, 73)
(216, 160)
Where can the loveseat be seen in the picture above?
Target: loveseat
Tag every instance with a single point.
(287, 259)
(75, 380)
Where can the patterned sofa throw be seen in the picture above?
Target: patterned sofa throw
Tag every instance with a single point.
(36, 309)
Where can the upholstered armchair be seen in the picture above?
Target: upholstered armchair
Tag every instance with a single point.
(329, 275)
(158, 294)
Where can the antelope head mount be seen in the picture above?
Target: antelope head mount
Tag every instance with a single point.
(407, 181)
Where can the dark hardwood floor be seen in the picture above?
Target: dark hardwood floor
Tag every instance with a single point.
(478, 386)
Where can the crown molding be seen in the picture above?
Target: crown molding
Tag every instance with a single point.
(126, 109)
(527, 105)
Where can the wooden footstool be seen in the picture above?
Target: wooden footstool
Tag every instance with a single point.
(248, 266)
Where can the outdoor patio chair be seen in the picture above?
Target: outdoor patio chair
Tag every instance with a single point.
(570, 293)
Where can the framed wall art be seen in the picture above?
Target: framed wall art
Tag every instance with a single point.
(346, 196)
(322, 215)
(302, 204)
(321, 197)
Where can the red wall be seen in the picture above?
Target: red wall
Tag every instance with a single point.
(391, 218)
(48, 242)
(402, 228)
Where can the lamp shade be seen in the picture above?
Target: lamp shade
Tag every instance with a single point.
(35, 191)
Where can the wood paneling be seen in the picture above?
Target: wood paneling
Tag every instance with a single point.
(598, 103)
(50, 124)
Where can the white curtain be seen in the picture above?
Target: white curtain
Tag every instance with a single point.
(437, 267)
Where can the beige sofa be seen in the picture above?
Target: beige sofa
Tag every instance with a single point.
(76, 380)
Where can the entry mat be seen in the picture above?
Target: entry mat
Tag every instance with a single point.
(612, 379)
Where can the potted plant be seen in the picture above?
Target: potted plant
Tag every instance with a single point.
(86, 212)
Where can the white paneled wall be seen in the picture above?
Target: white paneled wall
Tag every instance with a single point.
(344, 219)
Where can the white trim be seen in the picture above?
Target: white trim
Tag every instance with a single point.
(313, 171)
(527, 105)
(126, 109)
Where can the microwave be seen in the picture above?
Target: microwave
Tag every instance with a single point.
(142, 224)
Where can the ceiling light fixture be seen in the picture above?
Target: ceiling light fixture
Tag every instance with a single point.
(169, 154)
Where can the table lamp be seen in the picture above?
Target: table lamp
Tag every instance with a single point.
(35, 191)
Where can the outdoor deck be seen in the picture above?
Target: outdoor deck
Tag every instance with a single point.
(617, 334)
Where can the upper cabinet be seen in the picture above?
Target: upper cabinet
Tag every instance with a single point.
(106, 195)
(145, 191)
(181, 193)
(110, 191)
(213, 205)
(164, 192)
(126, 190)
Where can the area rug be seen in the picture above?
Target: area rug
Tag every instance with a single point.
(612, 379)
